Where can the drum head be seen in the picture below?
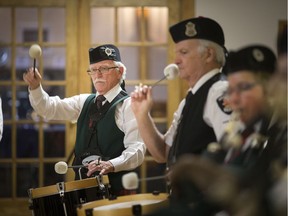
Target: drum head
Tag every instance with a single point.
(125, 205)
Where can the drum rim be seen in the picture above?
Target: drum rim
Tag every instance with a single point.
(69, 187)
(145, 209)
(163, 197)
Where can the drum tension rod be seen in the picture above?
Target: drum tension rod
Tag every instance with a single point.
(137, 210)
(101, 185)
(61, 190)
(30, 200)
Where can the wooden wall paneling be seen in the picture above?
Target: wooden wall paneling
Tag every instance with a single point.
(84, 24)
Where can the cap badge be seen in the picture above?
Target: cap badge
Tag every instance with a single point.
(258, 55)
(190, 29)
(108, 51)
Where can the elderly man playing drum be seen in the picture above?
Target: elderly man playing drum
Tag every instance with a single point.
(108, 140)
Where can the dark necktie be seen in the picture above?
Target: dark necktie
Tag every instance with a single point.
(177, 139)
(184, 113)
(188, 103)
(99, 101)
(96, 113)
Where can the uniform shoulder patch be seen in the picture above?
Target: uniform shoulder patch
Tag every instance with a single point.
(223, 105)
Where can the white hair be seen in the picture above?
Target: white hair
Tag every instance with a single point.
(120, 64)
(219, 50)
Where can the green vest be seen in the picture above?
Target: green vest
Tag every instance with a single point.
(106, 137)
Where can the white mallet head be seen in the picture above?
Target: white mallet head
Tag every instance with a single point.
(171, 71)
(61, 167)
(130, 181)
(35, 51)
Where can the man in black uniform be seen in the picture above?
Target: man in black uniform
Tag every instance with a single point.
(201, 117)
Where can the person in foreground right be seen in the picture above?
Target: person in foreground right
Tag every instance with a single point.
(248, 72)
(277, 192)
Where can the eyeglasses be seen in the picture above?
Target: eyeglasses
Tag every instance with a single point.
(242, 87)
(92, 71)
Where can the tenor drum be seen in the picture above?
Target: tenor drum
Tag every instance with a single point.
(63, 198)
(130, 205)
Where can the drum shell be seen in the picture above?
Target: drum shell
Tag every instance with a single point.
(47, 200)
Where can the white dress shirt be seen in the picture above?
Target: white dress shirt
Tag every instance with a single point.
(54, 108)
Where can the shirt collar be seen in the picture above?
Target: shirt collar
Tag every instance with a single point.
(112, 93)
(203, 79)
